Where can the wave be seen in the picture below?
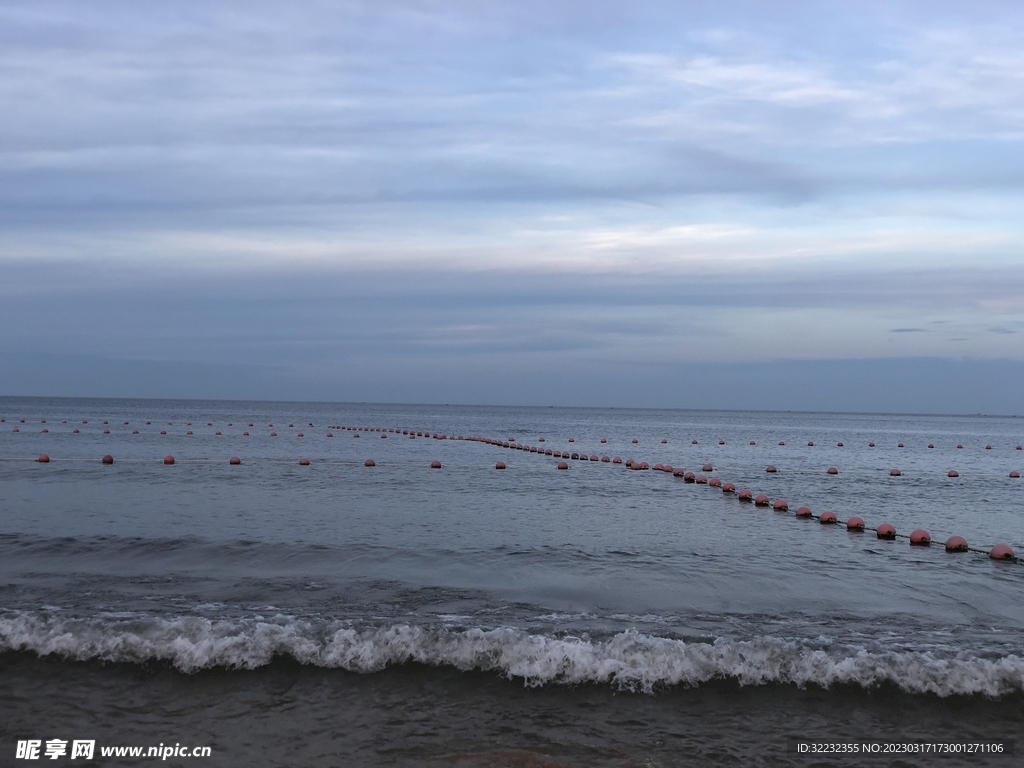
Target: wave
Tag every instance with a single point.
(628, 660)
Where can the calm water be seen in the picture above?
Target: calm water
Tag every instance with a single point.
(337, 614)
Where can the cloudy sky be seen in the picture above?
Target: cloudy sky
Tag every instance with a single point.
(724, 204)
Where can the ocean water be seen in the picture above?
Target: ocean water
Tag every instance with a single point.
(339, 614)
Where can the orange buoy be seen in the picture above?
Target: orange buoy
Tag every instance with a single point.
(500, 465)
(304, 461)
(234, 460)
(369, 463)
(700, 480)
(435, 464)
(745, 495)
(894, 473)
(886, 531)
(920, 538)
(761, 500)
(771, 468)
(707, 468)
(828, 518)
(803, 512)
(563, 465)
(108, 459)
(956, 544)
(952, 473)
(168, 459)
(781, 505)
(43, 458)
(855, 524)
(1001, 552)
(832, 471)
(728, 488)
(617, 460)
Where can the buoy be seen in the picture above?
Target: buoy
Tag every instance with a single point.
(752, 442)
(803, 512)
(245, 434)
(540, 439)
(218, 432)
(1014, 473)
(839, 445)
(18, 430)
(162, 431)
(234, 460)
(606, 459)
(382, 437)
(930, 445)
(43, 458)
(810, 444)
(721, 442)
(782, 442)
(105, 431)
(435, 464)
(689, 477)
(663, 442)
(745, 495)
(952, 473)
(302, 435)
(728, 488)
(956, 544)
(871, 445)
(74, 431)
(46, 431)
(988, 447)
(369, 463)
(714, 482)
(273, 434)
(135, 431)
(828, 518)
(595, 457)
(959, 446)
(886, 531)
(899, 445)
(701, 480)
(604, 440)
(781, 505)
(574, 456)
(693, 442)
(707, 468)
(304, 461)
(563, 465)
(920, 538)
(894, 473)
(168, 459)
(855, 524)
(761, 500)
(1001, 552)
(678, 472)
(500, 465)
(330, 434)
(832, 471)
(571, 440)
(1020, 448)
(644, 465)
(616, 460)
(635, 440)
(108, 459)
(770, 468)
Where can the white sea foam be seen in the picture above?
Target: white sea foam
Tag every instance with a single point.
(628, 660)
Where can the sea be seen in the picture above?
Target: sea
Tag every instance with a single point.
(300, 608)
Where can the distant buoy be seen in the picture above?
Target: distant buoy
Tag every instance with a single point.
(218, 432)
(707, 468)
(1014, 473)
(1001, 552)
(752, 442)
(930, 445)
(693, 442)
(382, 437)
(839, 445)
(988, 447)
(952, 473)
(700, 480)
(871, 445)
(616, 460)
(894, 473)
(162, 431)
(500, 465)
(168, 459)
(810, 444)
(644, 465)
(540, 439)
(304, 461)
(728, 488)
(135, 431)
(108, 459)
(273, 434)
(245, 434)
(369, 463)
(563, 465)
(234, 460)
(745, 495)
(828, 518)
(355, 435)
(781, 505)
(571, 440)
(604, 440)
(956, 544)
(435, 464)
(330, 434)
(663, 442)
(886, 531)
(74, 431)
(302, 435)
(761, 500)
(689, 477)
(714, 482)
(1020, 448)
(605, 459)
(635, 440)
(771, 468)
(832, 471)
(46, 431)
(855, 524)
(721, 442)
(959, 446)
(899, 445)
(803, 512)
(105, 431)
(782, 442)
(920, 538)
(43, 458)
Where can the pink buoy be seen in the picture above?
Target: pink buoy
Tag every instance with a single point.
(988, 447)
(782, 442)
(382, 437)
(701, 480)
(663, 442)
(635, 440)
(839, 445)
(781, 505)
(920, 538)
(355, 435)
(707, 468)
(245, 434)
(956, 544)
(693, 442)
(330, 434)
(959, 446)
(594, 457)
(302, 435)
(617, 460)
(135, 431)
(108, 459)
(728, 488)
(74, 431)
(1014, 473)
(644, 465)
(1001, 552)
(752, 442)
(886, 531)
(930, 445)
(855, 524)
(952, 473)
(803, 512)
(761, 500)
(771, 469)
(659, 467)
(832, 471)
(369, 463)
(606, 459)
(46, 431)
(899, 445)
(604, 440)
(745, 495)
(871, 445)
(721, 442)
(894, 473)
(163, 431)
(273, 434)
(689, 477)
(828, 518)
(435, 464)
(168, 459)
(571, 440)
(43, 458)
(500, 465)
(678, 472)
(563, 465)
(714, 482)
(304, 462)
(1019, 447)
(234, 460)
(105, 431)
(217, 433)
(810, 444)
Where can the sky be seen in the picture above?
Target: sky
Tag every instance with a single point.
(774, 205)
